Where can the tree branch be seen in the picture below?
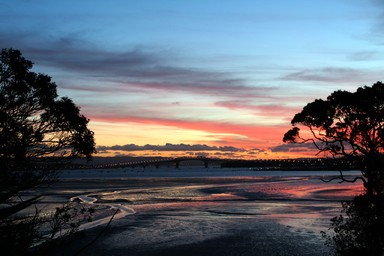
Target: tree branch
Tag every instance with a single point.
(343, 179)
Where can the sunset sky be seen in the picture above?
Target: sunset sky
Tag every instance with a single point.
(163, 76)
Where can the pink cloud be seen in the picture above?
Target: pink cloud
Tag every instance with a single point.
(273, 110)
(225, 87)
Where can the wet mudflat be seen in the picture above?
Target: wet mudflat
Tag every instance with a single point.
(185, 213)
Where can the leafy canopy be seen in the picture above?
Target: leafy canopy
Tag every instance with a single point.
(344, 124)
(37, 131)
(349, 124)
(34, 122)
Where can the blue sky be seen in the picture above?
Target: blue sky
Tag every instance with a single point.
(220, 73)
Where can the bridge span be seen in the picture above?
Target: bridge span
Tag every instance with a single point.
(260, 164)
(175, 162)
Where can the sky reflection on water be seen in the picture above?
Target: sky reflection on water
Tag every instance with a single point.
(290, 208)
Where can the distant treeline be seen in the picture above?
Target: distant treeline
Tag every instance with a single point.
(294, 164)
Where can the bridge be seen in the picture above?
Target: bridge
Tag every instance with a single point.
(261, 164)
(158, 162)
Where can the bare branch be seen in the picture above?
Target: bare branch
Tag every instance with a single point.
(343, 179)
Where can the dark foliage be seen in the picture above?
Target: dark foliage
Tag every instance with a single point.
(360, 230)
(38, 131)
(351, 125)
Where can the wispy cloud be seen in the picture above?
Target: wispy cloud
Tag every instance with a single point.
(267, 110)
(379, 26)
(227, 75)
(364, 56)
(138, 67)
(125, 75)
(295, 147)
(327, 74)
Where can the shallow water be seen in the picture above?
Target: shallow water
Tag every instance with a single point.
(208, 211)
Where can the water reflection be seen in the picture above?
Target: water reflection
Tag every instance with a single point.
(277, 214)
(303, 204)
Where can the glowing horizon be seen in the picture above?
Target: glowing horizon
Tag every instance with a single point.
(221, 74)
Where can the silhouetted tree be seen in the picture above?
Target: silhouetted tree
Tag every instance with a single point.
(350, 125)
(38, 130)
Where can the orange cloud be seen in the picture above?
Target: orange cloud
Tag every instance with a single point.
(237, 135)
